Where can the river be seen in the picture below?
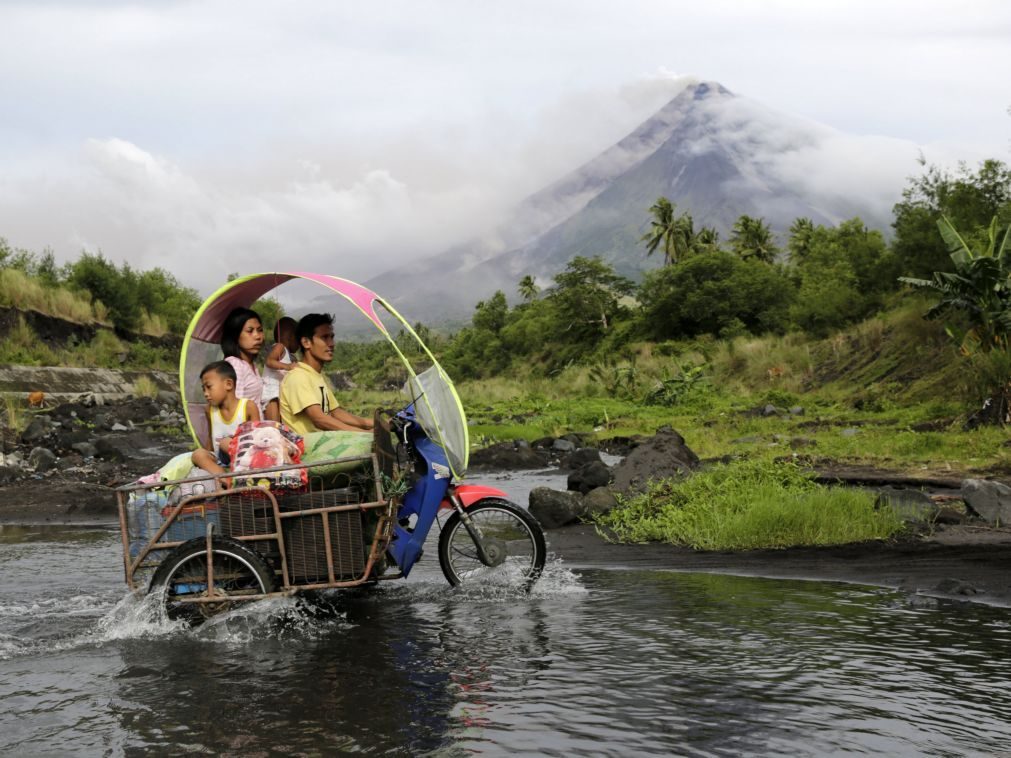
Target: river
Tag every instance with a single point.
(592, 662)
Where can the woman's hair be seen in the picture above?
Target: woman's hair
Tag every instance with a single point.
(232, 328)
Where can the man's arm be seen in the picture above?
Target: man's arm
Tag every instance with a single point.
(338, 420)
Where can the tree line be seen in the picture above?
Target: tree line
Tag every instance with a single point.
(127, 295)
(824, 278)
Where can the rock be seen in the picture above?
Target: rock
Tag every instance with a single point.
(580, 458)
(574, 438)
(117, 427)
(563, 446)
(119, 447)
(67, 439)
(799, 442)
(851, 432)
(86, 449)
(598, 501)
(910, 505)
(589, 477)
(663, 456)
(41, 459)
(955, 587)
(797, 411)
(509, 456)
(991, 501)
(170, 398)
(770, 410)
(553, 508)
(38, 429)
(9, 474)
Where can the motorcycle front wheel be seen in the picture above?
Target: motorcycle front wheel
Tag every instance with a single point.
(514, 548)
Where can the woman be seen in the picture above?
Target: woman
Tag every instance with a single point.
(241, 341)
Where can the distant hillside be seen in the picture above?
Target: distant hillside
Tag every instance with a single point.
(712, 153)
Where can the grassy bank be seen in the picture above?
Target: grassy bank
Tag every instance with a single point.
(749, 505)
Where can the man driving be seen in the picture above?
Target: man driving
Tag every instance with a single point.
(308, 403)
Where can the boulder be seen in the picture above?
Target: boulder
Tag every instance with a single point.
(563, 446)
(597, 501)
(41, 459)
(67, 439)
(508, 456)
(119, 447)
(910, 505)
(589, 477)
(580, 458)
(553, 508)
(797, 410)
(85, 449)
(38, 429)
(991, 501)
(663, 456)
(9, 474)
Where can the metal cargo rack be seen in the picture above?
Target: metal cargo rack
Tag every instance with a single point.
(315, 537)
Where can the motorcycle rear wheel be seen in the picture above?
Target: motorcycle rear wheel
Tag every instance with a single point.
(239, 572)
(514, 544)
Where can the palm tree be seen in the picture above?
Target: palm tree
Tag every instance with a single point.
(674, 233)
(752, 238)
(706, 240)
(801, 232)
(528, 288)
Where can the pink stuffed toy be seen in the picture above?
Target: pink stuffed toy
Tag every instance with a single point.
(268, 449)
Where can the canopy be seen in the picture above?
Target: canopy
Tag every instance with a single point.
(437, 404)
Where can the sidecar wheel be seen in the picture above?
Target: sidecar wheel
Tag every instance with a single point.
(238, 572)
(515, 546)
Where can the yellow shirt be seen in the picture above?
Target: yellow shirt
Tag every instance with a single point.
(304, 387)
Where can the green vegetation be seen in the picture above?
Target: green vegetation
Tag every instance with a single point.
(95, 290)
(746, 505)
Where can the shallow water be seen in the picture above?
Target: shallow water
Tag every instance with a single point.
(599, 662)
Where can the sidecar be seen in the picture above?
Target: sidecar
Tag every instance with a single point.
(210, 541)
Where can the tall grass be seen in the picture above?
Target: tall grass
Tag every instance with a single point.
(13, 412)
(749, 505)
(144, 386)
(18, 290)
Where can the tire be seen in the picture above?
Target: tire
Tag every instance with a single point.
(517, 544)
(238, 571)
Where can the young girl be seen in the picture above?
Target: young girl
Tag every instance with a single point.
(225, 412)
(280, 360)
(241, 341)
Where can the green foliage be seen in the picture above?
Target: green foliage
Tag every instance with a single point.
(617, 378)
(968, 199)
(673, 233)
(749, 505)
(707, 294)
(842, 272)
(752, 238)
(678, 388)
(978, 289)
(587, 296)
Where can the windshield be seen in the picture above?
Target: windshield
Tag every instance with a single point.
(440, 414)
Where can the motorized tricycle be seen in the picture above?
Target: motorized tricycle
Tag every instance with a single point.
(361, 508)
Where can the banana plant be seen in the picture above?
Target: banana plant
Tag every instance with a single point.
(979, 288)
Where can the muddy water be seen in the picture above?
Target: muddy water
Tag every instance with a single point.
(602, 662)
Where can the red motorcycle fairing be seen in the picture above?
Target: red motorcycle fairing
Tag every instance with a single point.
(472, 493)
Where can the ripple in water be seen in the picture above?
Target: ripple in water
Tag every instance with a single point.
(596, 662)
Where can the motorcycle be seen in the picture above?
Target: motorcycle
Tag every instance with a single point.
(359, 518)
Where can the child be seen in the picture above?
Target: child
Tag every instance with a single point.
(225, 412)
(279, 361)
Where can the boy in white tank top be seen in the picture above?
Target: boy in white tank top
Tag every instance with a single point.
(225, 412)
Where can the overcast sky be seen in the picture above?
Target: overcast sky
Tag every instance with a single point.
(239, 135)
